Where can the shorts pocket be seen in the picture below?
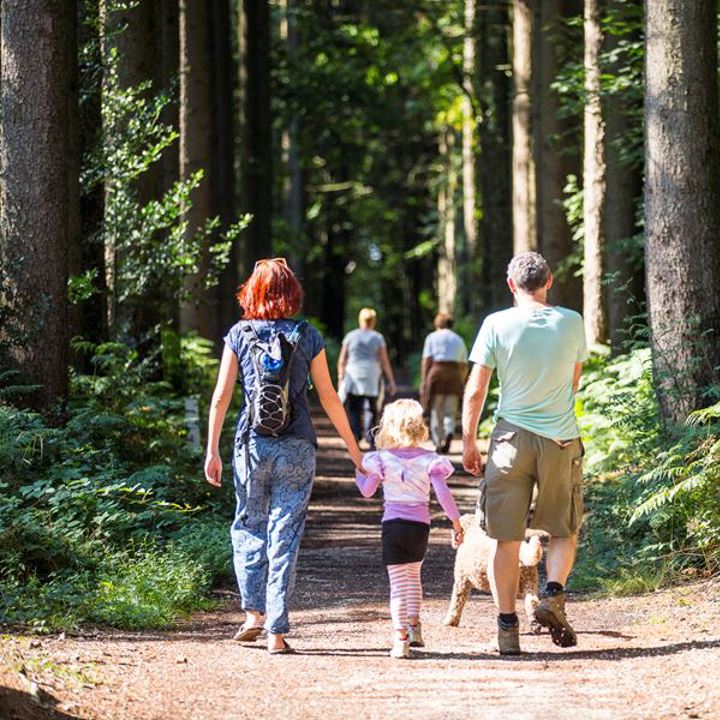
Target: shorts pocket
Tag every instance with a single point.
(481, 506)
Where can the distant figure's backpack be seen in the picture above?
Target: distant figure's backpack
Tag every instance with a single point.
(268, 399)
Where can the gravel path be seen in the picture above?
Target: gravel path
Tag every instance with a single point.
(653, 656)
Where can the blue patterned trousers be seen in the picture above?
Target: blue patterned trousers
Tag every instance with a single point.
(272, 495)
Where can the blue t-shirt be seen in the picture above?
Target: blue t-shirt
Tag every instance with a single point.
(310, 345)
(535, 351)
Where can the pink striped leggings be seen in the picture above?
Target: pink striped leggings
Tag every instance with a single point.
(405, 593)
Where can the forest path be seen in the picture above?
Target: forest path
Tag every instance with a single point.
(653, 656)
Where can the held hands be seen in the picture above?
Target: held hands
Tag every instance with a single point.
(457, 535)
(472, 460)
(213, 469)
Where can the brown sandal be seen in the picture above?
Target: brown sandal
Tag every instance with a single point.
(284, 650)
(248, 634)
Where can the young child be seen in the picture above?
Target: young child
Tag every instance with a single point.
(406, 472)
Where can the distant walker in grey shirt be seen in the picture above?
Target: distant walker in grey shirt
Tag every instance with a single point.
(363, 361)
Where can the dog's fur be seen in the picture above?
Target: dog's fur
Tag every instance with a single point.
(471, 564)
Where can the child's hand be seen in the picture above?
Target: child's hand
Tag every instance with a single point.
(458, 535)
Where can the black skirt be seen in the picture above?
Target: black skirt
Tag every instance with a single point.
(404, 541)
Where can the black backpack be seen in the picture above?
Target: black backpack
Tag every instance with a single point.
(268, 398)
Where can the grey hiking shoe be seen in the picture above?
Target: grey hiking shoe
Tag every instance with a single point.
(550, 613)
(508, 639)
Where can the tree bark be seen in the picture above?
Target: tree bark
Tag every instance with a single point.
(447, 265)
(34, 207)
(290, 145)
(92, 199)
(523, 167)
(554, 149)
(682, 212)
(594, 182)
(196, 149)
(470, 298)
(222, 179)
(496, 155)
(257, 161)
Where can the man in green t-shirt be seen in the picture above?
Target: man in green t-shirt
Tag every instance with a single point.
(538, 350)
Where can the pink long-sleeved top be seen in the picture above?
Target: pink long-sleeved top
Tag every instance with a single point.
(406, 475)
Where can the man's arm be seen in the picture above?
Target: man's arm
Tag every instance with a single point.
(576, 376)
(476, 392)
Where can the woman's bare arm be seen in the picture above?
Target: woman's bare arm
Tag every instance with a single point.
(332, 406)
(387, 370)
(222, 396)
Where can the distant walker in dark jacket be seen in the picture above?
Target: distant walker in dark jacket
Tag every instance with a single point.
(443, 373)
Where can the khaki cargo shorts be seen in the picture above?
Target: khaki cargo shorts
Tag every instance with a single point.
(518, 461)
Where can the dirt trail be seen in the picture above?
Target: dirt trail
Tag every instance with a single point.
(654, 656)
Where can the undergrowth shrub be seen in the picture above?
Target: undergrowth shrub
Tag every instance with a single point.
(108, 519)
(653, 493)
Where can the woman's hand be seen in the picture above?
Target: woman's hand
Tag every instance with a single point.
(213, 469)
(458, 535)
(392, 389)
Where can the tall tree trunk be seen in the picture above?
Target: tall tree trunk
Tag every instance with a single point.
(75, 311)
(222, 180)
(682, 208)
(447, 210)
(470, 298)
(594, 181)
(523, 167)
(257, 161)
(34, 202)
(92, 199)
(290, 143)
(554, 149)
(496, 158)
(196, 149)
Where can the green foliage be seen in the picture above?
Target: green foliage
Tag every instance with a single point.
(654, 497)
(108, 519)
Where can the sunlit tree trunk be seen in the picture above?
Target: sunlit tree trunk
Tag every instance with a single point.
(470, 298)
(447, 265)
(594, 182)
(196, 148)
(523, 168)
(257, 160)
(682, 194)
(37, 64)
(496, 158)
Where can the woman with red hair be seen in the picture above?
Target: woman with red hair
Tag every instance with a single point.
(272, 355)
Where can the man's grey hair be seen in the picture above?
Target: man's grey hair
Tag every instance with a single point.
(529, 271)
